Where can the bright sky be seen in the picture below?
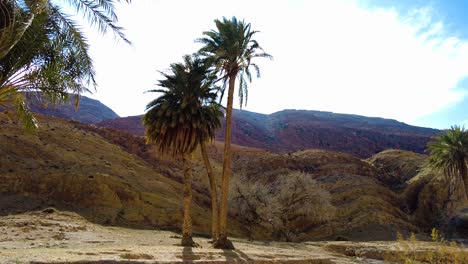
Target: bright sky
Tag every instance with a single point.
(402, 61)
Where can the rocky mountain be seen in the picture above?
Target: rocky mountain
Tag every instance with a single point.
(89, 111)
(131, 124)
(281, 132)
(293, 130)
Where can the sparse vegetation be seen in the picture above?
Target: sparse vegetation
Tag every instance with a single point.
(133, 192)
(113, 178)
(409, 251)
(284, 207)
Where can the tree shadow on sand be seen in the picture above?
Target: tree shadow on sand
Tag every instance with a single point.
(188, 255)
(236, 255)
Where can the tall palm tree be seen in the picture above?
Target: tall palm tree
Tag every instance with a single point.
(42, 49)
(230, 49)
(449, 152)
(181, 119)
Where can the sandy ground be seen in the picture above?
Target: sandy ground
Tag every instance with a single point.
(51, 236)
(63, 237)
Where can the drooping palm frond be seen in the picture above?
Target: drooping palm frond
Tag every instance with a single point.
(42, 49)
(11, 98)
(50, 57)
(185, 115)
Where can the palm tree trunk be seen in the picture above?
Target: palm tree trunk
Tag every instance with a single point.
(187, 240)
(456, 194)
(214, 193)
(222, 241)
(464, 176)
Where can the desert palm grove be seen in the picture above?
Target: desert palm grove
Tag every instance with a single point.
(195, 180)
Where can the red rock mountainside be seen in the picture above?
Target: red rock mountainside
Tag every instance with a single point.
(293, 130)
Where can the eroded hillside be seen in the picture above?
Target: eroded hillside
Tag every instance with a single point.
(112, 177)
(67, 167)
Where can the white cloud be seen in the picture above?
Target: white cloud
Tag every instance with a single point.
(328, 55)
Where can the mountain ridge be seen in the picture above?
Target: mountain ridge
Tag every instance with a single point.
(284, 131)
(292, 130)
(90, 110)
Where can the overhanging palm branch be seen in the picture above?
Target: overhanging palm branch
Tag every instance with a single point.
(42, 49)
(50, 57)
(100, 13)
(15, 18)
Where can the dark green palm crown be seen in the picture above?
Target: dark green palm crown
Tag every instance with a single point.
(185, 114)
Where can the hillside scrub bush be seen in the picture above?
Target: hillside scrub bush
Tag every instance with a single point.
(282, 207)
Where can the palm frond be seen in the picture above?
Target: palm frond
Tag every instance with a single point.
(15, 21)
(100, 13)
(24, 113)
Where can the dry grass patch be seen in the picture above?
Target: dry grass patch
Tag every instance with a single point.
(409, 251)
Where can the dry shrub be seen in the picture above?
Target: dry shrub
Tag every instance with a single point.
(281, 207)
(411, 251)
